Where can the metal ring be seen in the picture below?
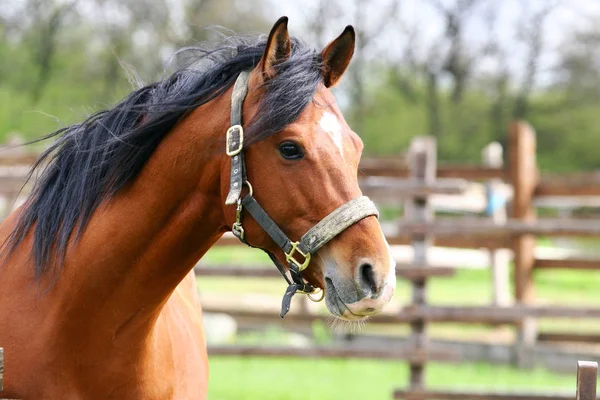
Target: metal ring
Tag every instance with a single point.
(316, 291)
(249, 187)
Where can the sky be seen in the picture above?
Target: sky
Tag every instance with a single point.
(419, 14)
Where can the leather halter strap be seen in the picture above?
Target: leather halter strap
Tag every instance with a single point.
(329, 227)
(235, 139)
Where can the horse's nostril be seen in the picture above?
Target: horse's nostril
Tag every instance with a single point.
(367, 279)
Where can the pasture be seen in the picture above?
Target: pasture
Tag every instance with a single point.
(251, 378)
(235, 378)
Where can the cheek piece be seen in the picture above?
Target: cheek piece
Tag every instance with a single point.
(297, 254)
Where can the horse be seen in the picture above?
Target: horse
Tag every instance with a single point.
(98, 297)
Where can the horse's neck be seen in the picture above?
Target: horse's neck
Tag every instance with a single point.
(140, 245)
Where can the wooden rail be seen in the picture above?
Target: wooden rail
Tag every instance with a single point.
(568, 337)
(386, 187)
(441, 314)
(578, 184)
(406, 271)
(570, 263)
(474, 172)
(417, 357)
(468, 228)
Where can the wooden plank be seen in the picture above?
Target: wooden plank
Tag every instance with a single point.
(567, 263)
(407, 188)
(406, 271)
(439, 314)
(417, 357)
(468, 227)
(474, 395)
(568, 337)
(491, 314)
(580, 184)
(468, 172)
(567, 190)
(464, 242)
(587, 375)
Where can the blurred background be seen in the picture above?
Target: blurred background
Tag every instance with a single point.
(458, 71)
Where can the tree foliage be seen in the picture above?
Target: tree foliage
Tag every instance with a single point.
(60, 60)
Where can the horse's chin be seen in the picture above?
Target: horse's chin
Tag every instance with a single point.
(337, 308)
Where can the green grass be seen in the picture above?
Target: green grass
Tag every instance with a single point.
(241, 378)
(254, 378)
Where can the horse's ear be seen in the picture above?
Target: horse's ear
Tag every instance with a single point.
(278, 48)
(337, 56)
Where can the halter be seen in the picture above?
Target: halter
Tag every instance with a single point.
(316, 237)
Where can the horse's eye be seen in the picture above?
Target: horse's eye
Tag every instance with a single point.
(291, 151)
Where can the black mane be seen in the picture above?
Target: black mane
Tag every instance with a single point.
(91, 161)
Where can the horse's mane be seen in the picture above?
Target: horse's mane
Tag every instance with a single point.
(91, 161)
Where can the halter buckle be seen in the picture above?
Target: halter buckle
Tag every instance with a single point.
(237, 228)
(289, 257)
(230, 140)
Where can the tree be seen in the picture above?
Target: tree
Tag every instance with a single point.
(531, 33)
(47, 18)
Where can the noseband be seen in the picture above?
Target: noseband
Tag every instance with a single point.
(316, 237)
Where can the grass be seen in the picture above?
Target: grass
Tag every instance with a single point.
(252, 378)
(240, 378)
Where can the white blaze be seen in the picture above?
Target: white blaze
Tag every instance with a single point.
(330, 124)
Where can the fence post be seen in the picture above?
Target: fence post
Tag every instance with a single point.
(1, 368)
(587, 377)
(496, 209)
(524, 178)
(422, 159)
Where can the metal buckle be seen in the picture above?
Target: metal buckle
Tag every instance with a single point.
(230, 141)
(237, 228)
(289, 257)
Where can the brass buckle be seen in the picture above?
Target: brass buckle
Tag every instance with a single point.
(229, 140)
(289, 257)
(237, 228)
